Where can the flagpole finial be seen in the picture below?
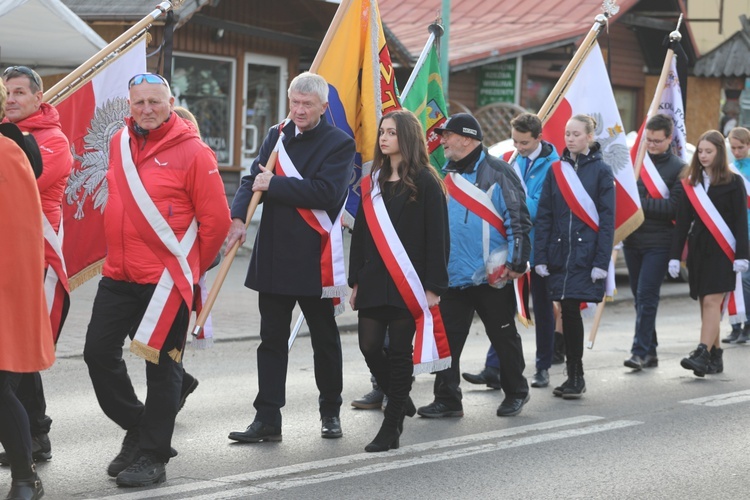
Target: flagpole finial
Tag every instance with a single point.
(610, 8)
(436, 29)
(676, 36)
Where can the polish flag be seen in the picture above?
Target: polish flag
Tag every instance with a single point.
(89, 118)
(591, 93)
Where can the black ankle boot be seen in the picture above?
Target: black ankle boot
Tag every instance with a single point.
(716, 362)
(387, 438)
(29, 488)
(576, 385)
(697, 361)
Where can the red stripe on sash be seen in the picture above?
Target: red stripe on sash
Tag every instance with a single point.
(474, 206)
(570, 198)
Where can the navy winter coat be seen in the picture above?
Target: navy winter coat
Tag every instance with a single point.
(569, 247)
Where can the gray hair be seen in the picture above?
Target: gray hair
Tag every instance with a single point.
(35, 81)
(309, 83)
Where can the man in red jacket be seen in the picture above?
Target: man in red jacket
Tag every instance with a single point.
(25, 108)
(163, 184)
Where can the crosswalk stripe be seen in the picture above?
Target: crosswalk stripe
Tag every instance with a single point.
(729, 398)
(514, 433)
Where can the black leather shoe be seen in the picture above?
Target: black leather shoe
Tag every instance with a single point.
(257, 432)
(438, 409)
(129, 453)
(512, 406)
(41, 450)
(188, 386)
(697, 361)
(635, 362)
(144, 472)
(540, 379)
(373, 400)
(26, 489)
(330, 427)
(489, 377)
(650, 361)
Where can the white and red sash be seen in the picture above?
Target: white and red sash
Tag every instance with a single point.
(709, 215)
(480, 204)
(575, 195)
(332, 269)
(56, 287)
(650, 176)
(176, 282)
(431, 350)
(516, 168)
(734, 169)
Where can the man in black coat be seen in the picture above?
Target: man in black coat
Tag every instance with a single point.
(286, 267)
(647, 248)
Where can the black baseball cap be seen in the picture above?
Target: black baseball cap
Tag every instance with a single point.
(27, 143)
(462, 124)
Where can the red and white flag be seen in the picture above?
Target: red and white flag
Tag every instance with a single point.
(89, 118)
(590, 93)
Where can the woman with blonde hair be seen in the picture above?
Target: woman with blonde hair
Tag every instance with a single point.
(712, 216)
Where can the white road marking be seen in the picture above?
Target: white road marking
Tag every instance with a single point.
(729, 398)
(424, 448)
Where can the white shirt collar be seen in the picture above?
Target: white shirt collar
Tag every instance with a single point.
(535, 154)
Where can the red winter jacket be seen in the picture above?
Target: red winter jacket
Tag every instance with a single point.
(181, 176)
(57, 160)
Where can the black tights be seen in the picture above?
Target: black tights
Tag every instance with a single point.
(15, 434)
(392, 370)
(572, 329)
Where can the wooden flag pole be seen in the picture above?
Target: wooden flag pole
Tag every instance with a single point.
(200, 322)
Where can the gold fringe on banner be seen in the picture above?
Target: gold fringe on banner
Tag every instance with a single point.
(144, 351)
(85, 274)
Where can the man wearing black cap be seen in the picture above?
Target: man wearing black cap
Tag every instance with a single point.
(487, 215)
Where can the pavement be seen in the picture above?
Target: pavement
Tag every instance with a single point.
(235, 314)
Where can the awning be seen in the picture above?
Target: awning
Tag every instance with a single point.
(44, 35)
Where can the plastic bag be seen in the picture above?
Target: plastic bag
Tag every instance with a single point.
(494, 267)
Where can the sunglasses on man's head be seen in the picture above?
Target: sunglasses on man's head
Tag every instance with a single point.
(148, 78)
(23, 70)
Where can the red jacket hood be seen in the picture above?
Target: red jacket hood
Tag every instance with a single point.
(47, 117)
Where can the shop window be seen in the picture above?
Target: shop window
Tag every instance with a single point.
(205, 86)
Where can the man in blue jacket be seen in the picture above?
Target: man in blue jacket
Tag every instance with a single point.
(486, 211)
(287, 266)
(535, 157)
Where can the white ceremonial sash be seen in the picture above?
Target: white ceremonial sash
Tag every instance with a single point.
(575, 195)
(333, 270)
(475, 200)
(54, 240)
(652, 179)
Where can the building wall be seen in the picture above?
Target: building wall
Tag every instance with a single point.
(710, 34)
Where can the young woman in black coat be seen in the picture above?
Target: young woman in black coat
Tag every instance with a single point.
(415, 199)
(574, 255)
(711, 272)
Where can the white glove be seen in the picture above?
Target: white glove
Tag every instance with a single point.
(541, 270)
(674, 268)
(598, 274)
(740, 266)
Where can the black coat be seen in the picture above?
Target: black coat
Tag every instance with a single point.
(422, 227)
(562, 241)
(709, 269)
(659, 214)
(286, 253)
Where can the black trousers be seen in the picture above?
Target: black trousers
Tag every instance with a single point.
(30, 392)
(118, 309)
(496, 308)
(14, 427)
(273, 354)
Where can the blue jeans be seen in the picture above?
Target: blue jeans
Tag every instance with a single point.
(647, 268)
(746, 293)
(544, 320)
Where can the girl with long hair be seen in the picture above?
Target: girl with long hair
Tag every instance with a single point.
(415, 200)
(712, 216)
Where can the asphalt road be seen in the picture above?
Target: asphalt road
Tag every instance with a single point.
(660, 433)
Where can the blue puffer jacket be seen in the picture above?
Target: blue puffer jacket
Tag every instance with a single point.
(466, 228)
(563, 242)
(534, 179)
(743, 166)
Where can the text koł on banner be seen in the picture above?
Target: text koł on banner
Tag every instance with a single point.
(362, 84)
(90, 117)
(590, 93)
